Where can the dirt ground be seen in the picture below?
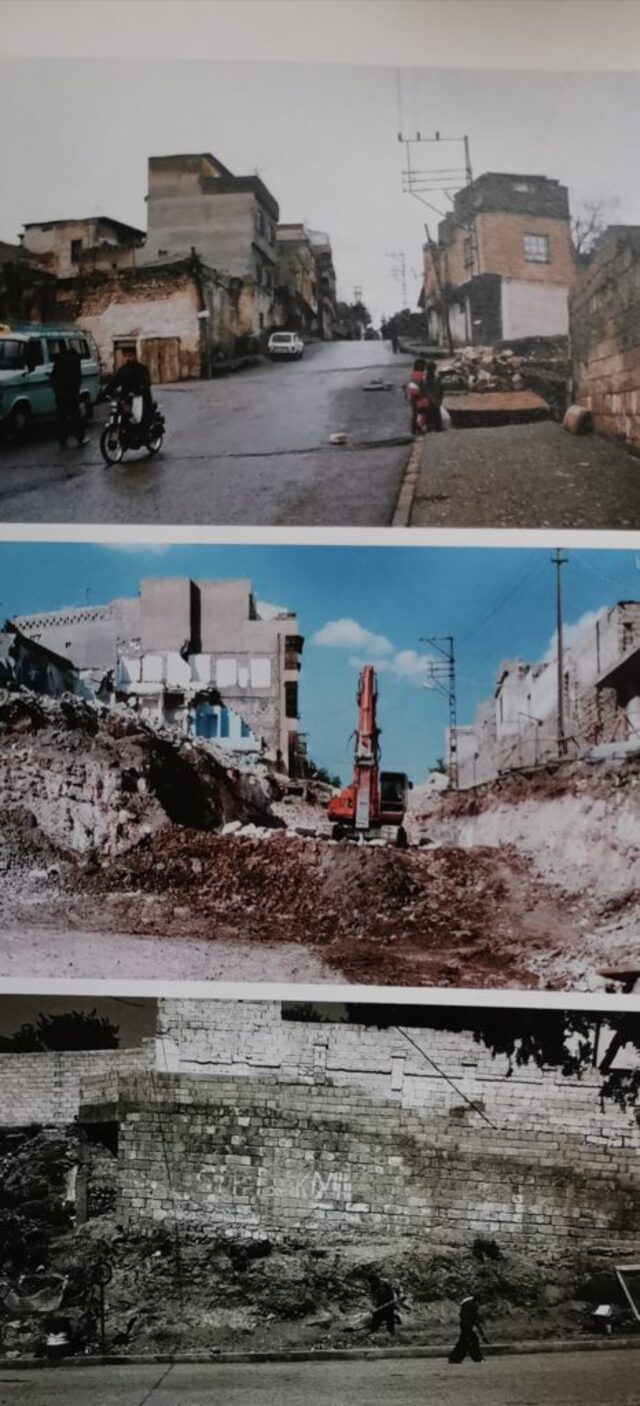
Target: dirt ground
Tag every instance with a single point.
(190, 1291)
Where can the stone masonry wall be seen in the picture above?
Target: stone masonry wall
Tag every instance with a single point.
(45, 1088)
(255, 1158)
(605, 335)
(249, 1039)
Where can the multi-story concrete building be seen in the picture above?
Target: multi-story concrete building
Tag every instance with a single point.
(202, 656)
(327, 292)
(518, 726)
(194, 202)
(296, 280)
(503, 263)
(68, 247)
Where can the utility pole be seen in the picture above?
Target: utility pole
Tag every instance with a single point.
(442, 674)
(559, 561)
(399, 272)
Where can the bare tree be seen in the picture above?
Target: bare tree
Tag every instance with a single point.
(589, 222)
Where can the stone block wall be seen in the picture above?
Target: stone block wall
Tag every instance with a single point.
(605, 335)
(45, 1088)
(255, 1158)
(249, 1039)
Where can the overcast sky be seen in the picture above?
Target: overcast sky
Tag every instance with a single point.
(498, 603)
(77, 137)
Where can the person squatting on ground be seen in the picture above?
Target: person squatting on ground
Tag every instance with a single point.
(385, 1310)
(471, 1330)
(66, 383)
(424, 394)
(132, 379)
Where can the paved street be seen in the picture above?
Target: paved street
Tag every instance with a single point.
(567, 1379)
(250, 448)
(533, 475)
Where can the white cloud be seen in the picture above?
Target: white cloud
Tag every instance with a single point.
(406, 664)
(571, 633)
(348, 634)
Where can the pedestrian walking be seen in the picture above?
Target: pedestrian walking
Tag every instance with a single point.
(66, 382)
(471, 1330)
(433, 391)
(394, 339)
(385, 1308)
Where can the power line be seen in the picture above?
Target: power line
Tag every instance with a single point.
(442, 674)
(448, 1080)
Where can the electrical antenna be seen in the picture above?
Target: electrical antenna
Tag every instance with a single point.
(441, 673)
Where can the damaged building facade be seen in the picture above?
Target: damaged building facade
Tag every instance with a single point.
(26, 664)
(605, 335)
(518, 727)
(503, 264)
(202, 656)
(234, 1120)
(195, 292)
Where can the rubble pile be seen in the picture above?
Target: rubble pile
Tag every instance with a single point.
(203, 1293)
(374, 912)
(96, 779)
(538, 364)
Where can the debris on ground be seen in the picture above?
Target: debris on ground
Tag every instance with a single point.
(200, 1291)
(539, 364)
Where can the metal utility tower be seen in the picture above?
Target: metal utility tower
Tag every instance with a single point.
(421, 182)
(559, 561)
(399, 272)
(442, 674)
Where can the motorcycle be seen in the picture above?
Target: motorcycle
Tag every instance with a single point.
(124, 431)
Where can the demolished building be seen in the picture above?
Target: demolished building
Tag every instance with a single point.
(518, 727)
(24, 663)
(202, 656)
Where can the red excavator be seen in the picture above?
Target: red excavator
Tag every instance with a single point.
(375, 798)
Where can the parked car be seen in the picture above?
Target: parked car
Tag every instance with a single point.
(285, 344)
(26, 363)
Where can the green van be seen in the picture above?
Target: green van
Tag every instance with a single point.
(26, 363)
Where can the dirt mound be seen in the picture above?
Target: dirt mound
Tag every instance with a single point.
(376, 913)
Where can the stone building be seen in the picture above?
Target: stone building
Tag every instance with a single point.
(27, 291)
(605, 334)
(202, 656)
(196, 203)
(182, 318)
(518, 726)
(296, 280)
(503, 263)
(236, 1120)
(66, 248)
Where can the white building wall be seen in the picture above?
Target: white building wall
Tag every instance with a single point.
(533, 310)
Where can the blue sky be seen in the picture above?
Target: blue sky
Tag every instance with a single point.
(497, 603)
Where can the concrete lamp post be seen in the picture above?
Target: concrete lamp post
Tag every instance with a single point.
(203, 318)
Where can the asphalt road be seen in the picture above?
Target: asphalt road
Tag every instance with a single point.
(249, 449)
(566, 1379)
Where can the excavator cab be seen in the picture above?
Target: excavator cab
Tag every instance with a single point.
(394, 796)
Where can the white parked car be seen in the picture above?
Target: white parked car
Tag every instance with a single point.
(285, 344)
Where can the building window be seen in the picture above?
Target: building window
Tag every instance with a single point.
(291, 700)
(224, 722)
(536, 248)
(259, 222)
(468, 251)
(76, 251)
(627, 635)
(245, 730)
(259, 273)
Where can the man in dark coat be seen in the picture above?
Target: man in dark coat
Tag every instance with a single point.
(385, 1310)
(471, 1330)
(66, 380)
(132, 378)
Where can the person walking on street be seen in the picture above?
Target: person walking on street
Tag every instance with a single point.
(394, 339)
(385, 1309)
(471, 1330)
(66, 382)
(434, 395)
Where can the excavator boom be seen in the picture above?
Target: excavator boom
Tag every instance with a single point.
(359, 808)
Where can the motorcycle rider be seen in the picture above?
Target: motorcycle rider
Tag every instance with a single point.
(132, 379)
